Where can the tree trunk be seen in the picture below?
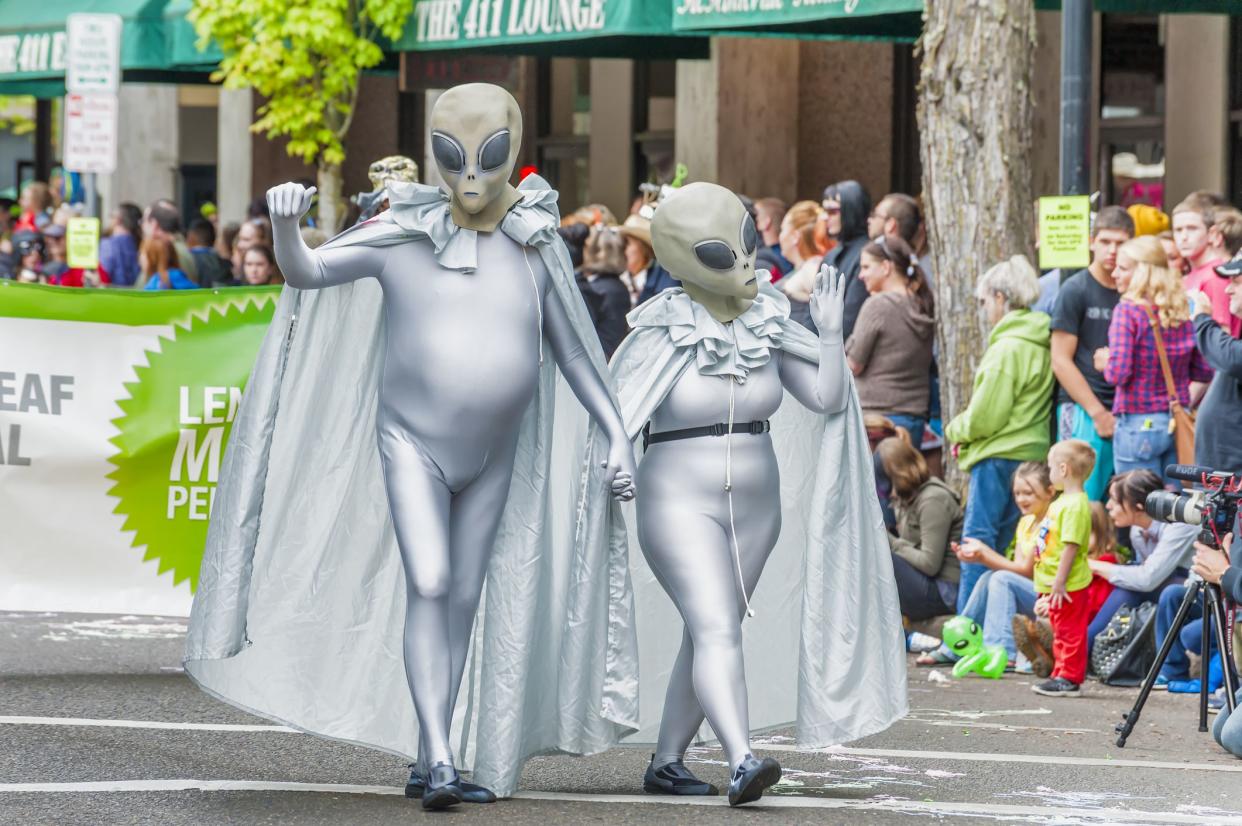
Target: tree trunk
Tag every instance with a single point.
(974, 116)
(330, 202)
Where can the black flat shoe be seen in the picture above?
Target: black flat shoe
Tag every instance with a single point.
(443, 787)
(470, 792)
(751, 778)
(674, 778)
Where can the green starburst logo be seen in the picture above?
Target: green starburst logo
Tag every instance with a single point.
(174, 426)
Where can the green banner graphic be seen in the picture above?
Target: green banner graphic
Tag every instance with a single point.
(124, 399)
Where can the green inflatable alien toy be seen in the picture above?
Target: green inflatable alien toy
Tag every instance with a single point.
(964, 637)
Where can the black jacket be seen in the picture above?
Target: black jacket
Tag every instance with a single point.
(1218, 427)
(614, 305)
(846, 256)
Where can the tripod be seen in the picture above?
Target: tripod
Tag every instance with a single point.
(1213, 622)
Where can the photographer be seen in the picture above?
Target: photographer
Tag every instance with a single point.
(1218, 428)
(1226, 571)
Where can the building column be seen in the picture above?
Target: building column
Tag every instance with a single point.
(235, 166)
(1196, 123)
(148, 144)
(611, 156)
(696, 116)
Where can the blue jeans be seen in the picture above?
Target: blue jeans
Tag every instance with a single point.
(1177, 665)
(914, 425)
(1229, 734)
(1122, 598)
(1143, 442)
(991, 516)
(998, 597)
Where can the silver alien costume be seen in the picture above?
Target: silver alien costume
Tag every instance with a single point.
(340, 580)
(714, 508)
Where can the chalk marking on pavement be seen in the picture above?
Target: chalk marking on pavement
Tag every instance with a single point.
(985, 757)
(996, 810)
(977, 757)
(147, 724)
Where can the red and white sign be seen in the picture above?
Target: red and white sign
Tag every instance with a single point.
(90, 132)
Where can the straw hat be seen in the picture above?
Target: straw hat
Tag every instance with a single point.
(638, 227)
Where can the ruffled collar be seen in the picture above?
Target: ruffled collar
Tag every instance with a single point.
(424, 210)
(732, 349)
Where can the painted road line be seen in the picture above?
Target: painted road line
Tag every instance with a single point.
(999, 811)
(147, 724)
(975, 757)
(978, 757)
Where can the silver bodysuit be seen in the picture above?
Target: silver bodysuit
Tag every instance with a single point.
(684, 529)
(461, 366)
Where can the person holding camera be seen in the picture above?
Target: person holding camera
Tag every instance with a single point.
(1225, 570)
(1218, 428)
(1162, 550)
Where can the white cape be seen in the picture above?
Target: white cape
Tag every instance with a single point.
(300, 605)
(825, 648)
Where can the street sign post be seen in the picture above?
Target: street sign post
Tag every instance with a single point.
(92, 78)
(90, 133)
(93, 53)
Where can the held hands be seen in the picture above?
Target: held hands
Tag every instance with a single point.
(289, 202)
(619, 469)
(1041, 605)
(828, 303)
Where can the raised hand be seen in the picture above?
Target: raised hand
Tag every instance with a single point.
(289, 202)
(828, 302)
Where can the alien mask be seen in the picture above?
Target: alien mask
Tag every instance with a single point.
(476, 132)
(704, 237)
(392, 168)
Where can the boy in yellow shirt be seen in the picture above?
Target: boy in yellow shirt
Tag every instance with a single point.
(1061, 573)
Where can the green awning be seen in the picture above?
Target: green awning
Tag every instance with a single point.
(584, 28)
(900, 20)
(157, 43)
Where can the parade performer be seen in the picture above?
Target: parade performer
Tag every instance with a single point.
(707, 375)
(395, 449)
(392, 168)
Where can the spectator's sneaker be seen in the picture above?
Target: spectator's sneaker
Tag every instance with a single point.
(1028, 638)
(751, 778)
(1217, 701)
(1023, 665)
(1057, 687)
(471, 792)
(1161, 683)
(920, 643)
(675, 778)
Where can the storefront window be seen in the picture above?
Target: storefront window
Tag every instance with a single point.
(564, 119)
(1235, 110)
(1132, 110)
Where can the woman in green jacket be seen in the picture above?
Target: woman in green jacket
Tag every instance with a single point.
(1007, 420)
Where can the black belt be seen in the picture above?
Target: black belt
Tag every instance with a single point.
(718, 429)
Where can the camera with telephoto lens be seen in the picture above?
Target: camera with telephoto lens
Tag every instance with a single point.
(1213, 509)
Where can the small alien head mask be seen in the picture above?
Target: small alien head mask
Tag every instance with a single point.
(392, 168)
(962, 636)
(703, 235)
(476, 132)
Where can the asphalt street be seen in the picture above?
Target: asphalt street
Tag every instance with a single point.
(100, 726)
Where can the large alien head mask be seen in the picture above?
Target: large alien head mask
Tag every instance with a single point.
(476, 131)
(704, 237)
